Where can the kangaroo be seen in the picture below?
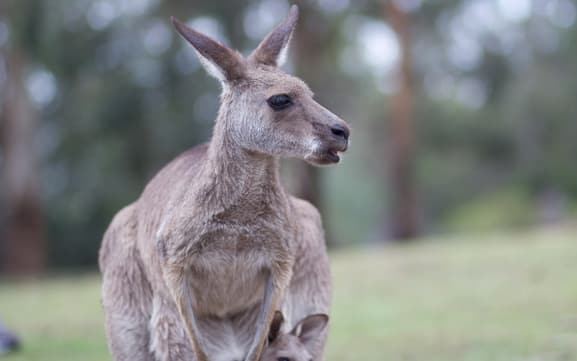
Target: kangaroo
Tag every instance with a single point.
(214, 236)
(297, 345)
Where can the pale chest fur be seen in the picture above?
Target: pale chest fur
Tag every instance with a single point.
(229, 256)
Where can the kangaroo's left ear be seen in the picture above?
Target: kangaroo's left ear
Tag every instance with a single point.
(273, 49)
(219, 61)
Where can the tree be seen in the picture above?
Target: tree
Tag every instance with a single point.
(404, 220)
(306, 44)
(313, 52)
(24, 234)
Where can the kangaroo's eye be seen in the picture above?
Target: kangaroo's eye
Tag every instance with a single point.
(279, 102)
(283, 359)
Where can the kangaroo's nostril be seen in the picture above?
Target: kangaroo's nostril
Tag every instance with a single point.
(340, 131)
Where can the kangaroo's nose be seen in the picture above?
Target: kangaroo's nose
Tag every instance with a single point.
(340, 131)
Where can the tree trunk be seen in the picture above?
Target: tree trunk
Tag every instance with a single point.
(307, 44)
(24, 248)
(404, 222)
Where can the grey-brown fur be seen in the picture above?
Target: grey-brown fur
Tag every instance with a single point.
(187, 266)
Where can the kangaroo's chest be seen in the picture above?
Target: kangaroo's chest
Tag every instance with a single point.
(230, 262)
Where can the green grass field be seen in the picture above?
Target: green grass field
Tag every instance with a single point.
(499, 297)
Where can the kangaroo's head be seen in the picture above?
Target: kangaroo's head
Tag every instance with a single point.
(298, 344)
(264, 109)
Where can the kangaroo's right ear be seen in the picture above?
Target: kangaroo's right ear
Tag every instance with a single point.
(309, 329)
(275, 326)
(219, 61)
(272, 50)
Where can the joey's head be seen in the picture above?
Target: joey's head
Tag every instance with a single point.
(265, 110)
(297, 345)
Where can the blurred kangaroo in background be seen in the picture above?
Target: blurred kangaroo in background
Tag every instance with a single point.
(214, 237)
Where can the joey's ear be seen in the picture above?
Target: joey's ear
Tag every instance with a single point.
(272, 50)
(309, 329)
(219, 61)
(275, 326)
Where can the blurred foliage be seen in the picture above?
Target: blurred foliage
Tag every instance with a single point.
(119, 94)
(500, 209)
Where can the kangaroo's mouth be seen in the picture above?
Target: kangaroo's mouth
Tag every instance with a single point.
(333, 155)
(334, 151)
(326, 156)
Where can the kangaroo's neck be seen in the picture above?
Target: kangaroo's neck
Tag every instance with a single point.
(235, 175)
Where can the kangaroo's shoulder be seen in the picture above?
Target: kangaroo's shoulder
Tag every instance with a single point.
(181, 169)
(305, 210)
(187, 160)
(193, 154)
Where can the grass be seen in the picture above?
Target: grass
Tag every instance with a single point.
(497, 297)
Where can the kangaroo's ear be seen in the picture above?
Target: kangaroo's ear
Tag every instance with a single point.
(275, 326)
(273, 49)
(309, 329)
(219, 61)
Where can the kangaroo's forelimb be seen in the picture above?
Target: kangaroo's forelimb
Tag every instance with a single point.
(191, 323)
(179, 284)
(270, 304)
